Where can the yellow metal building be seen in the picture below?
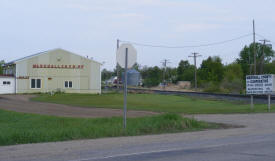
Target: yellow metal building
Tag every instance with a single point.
(55, 70)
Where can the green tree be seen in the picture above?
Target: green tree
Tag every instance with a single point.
(171, 74)
(233, 71)
(152, 76)
(105, 74)
(137, 67)
(233, 78)
(211, 70)
(269, 68)
(2, 62)
(185, 71)
(247, 57)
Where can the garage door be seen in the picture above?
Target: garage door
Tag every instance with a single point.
(7, 85)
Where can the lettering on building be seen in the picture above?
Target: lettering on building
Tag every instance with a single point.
(58, 66)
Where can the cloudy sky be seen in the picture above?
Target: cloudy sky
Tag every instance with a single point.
(91, 27)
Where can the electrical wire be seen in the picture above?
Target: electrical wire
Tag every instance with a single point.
(259, 35)
(187, 46)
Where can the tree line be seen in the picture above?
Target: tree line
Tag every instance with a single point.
(2, 62)
(212, 74)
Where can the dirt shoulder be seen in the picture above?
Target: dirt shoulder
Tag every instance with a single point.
(22, 103)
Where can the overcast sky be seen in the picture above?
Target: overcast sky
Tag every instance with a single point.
(91, 27)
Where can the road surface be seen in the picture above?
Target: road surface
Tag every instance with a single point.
(254, 142)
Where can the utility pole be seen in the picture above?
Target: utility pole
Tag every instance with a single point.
(117, 66)
(255, 62)
(263, 55)
(164, 63)
(254, 48)
(195, 55)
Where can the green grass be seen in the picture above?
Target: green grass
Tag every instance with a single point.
(20, 128)
(155, 102)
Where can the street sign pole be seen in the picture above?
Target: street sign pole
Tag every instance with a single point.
(251, 102)
(269, 103)
(126, 57)
(125, 88)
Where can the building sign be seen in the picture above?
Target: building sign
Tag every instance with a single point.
(23, 77)
(58, 66)
(260, 84)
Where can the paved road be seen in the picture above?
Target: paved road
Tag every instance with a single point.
(21, 103)
(254, 142)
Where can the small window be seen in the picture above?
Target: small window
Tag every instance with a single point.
(6, 82)
(68, 84)
(35, 83)
(38, 83)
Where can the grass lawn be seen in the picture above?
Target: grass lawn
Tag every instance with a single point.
(19, 128)
(154, 102)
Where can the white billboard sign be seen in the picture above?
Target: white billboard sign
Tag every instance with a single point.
(260, 84)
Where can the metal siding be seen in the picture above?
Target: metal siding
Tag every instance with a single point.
(7, 89)
(82, 79)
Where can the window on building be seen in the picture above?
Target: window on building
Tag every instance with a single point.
(6, 82)
(35, 83)
(68, 84)
(38, 83)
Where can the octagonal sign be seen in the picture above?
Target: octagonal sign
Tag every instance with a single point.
(121, 55)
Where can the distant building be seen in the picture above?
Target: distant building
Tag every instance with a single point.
(51, 70)
(133, 77)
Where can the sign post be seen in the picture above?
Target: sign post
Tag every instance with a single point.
(269, 103)
(126, 57)
(125, 88)
(251, 102)
(260, 85)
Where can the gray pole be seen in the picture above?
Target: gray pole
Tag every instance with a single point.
(251, 102)
(165, 61)
(263, 54)
(254, 52)
(262, 67)
(195, 55)
(125, 89)
(195, 62)
(117, 66)
(254, 48)
(269, 103)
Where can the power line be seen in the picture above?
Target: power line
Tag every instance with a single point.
(264, 37)
(187, 46)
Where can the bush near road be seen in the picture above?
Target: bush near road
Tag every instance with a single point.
(155, 102)
(20, 128)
